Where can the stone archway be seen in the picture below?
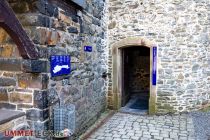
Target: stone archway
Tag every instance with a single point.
(117, 70)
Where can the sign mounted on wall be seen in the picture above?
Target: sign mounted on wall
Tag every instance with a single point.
(60, 65)
(154, 65)
(88, 48)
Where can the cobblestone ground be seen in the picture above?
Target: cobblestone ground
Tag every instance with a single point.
(133, 127)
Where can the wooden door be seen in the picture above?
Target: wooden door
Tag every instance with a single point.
(125, 76)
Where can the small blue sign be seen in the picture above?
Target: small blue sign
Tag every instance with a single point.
(60, 65)
(154, 66)
(88, 48)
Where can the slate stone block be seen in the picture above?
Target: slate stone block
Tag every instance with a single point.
(3, 35)
(6, 50)
(56, 51)
(40, 99)
(101, 35)
(44, 21)
(47, 8)
(37, 114)
(43, 52)
(28, 80)
(20, 98)
(96, 21)
(4, 95)
(72, 30)
(2, 137)
(35, 66)
(39, 126)
(22, 138)
(10, 64)
(22, 7)
(45, 36)
(52, 96)
(7, 106)
(97, 13)
(5, 81)
(24, 106)
(86, 29)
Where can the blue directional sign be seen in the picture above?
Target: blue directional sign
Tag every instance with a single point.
(60, 65)
(154, 66)
(88, 48)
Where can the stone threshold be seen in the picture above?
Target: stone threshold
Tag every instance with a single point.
(8, 115)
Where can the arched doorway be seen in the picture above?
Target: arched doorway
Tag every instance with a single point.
(118, 71)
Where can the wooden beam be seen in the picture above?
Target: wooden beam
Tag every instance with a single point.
(10, 23)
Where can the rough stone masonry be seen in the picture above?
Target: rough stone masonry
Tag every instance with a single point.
(180, 30)
(56, 28)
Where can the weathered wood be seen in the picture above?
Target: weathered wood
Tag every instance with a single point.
(10, 23)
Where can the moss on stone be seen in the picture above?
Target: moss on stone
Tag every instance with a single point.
(152, 109)
(167, 109)
(206, 109)
(20, 7)
(152, 106)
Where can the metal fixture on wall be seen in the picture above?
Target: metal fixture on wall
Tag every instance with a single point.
(64, 119)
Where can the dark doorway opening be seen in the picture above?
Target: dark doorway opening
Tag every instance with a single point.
(135, 79)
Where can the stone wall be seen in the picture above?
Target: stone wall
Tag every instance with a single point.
(56, 28)
(180, 29)
(19, 123)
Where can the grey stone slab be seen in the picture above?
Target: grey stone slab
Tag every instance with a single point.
(8, 115)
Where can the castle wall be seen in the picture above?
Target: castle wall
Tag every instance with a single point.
(180, 30)
(56, 28)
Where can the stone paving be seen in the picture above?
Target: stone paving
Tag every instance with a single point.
(134, 127)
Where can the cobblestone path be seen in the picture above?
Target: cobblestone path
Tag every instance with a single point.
(133, 127)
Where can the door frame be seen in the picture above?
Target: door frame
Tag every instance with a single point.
(117, 70)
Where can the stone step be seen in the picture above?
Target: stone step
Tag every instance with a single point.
(8, 115)
(11, 120)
